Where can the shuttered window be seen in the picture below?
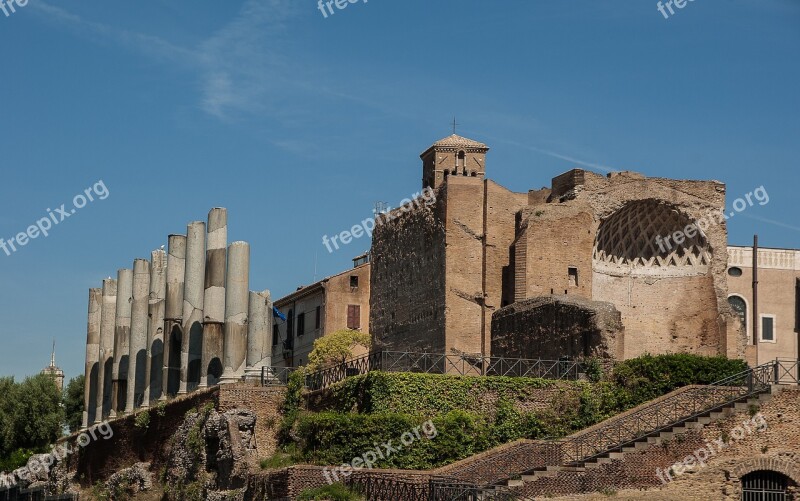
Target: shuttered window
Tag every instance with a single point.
(354, 316)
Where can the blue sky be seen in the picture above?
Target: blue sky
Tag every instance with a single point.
(299, 123)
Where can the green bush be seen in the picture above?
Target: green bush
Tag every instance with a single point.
(16, 459)
(333, 492)
(648, 377)
(142, 421)
(427, 394)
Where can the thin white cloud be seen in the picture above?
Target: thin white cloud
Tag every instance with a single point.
(771, 221)
(240, 67)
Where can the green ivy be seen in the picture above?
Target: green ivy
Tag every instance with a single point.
(473, 414)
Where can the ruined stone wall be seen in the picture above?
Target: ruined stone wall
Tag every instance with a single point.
(664, 309)
(407, 281)
(556, 238)
(552, 327)
(664, 315)
(264, 402)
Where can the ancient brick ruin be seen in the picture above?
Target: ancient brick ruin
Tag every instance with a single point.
(441, 272)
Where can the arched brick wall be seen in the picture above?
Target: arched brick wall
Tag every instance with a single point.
(769, 463)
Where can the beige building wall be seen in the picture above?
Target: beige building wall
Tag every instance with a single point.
(323, 307)
(778, 275)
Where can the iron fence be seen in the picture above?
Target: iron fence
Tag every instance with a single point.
(787, 371)
(276, 376)
(385, 488)
(433, 363)
(450, 489)
(15, 493)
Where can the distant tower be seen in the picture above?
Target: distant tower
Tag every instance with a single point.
(53, 371)
(453, 156)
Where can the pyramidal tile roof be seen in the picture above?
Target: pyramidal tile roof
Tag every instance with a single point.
(455, 140)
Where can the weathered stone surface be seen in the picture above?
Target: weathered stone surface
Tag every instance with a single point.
(137, 478)
(551, 327)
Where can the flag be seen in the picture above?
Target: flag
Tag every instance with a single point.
(278, 313)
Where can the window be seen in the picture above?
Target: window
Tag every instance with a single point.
(573, 276)
(734, 271)
(767, 328)
(275, 335)
(354, 281)
(739, 307)
(354, 316)
(290, 325)
(318, 317)
(301, 324)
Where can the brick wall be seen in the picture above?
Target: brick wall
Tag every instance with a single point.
(550, 327)
(265, 402)
(407, 301)
(776, 448)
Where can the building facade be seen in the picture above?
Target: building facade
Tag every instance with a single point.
(778, 299)
(337, 302)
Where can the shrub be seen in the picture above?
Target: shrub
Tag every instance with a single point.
(142, 420)
(333, 492)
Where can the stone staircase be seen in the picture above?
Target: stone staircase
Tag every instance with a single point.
(507, 471)
(639, 444)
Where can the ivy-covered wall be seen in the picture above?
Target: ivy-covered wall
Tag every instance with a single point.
(472, 414)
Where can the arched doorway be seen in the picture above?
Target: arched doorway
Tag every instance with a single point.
(765, 485)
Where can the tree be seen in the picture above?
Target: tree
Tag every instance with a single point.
(38, 415)
(336, 348)
(73, 403)
(8, 394)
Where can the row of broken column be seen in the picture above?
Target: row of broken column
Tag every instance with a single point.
(183, 320)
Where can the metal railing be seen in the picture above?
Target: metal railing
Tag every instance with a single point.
(276, 376)
(432, 363)
(16, 493)
(450, 489)
(666, 413)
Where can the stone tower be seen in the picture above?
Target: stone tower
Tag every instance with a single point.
(53, 371)
(453, 156)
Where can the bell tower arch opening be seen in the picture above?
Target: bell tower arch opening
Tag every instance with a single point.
(453, 156)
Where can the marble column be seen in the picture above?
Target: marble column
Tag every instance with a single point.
(259, 334)
(173, 315)
(92, 356)
(193, 291)
(155, 327)
(122, 338)
(236, 309)
(106, 366)
(137, 350)
(214, 297)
